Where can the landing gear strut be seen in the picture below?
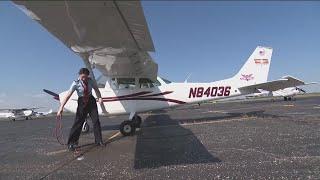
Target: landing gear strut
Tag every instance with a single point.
(137, 121)
(128, 128)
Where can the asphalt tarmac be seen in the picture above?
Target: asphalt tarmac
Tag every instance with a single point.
(234, 140)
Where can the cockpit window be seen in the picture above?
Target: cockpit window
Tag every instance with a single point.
(166, 81)
(147, 83)
(129, 83)
(123, 83)
(101, 81)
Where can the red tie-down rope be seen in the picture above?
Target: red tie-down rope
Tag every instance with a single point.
(58, 131)
(59, 135)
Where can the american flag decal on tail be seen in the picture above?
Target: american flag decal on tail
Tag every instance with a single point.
(261, 61)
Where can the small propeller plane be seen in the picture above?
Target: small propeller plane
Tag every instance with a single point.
(113, 37)
(39, 114)
(288, 94)
(13, 114)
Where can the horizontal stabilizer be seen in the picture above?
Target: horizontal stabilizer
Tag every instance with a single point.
(285, 82)
(55, 95)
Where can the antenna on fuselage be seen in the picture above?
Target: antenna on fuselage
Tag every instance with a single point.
(186, 80)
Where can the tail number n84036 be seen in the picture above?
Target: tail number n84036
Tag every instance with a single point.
(209, 92)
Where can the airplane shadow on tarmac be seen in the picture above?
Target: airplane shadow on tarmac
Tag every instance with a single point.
(230, 115)
(170, 145)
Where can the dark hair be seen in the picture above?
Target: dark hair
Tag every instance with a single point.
(84, 71)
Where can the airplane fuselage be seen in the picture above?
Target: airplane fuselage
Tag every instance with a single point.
(18, 114)
(145, 99)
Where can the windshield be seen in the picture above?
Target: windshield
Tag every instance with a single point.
(123, 83)
(166, 81)
(101, 81)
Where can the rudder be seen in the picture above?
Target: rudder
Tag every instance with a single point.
(256, 69)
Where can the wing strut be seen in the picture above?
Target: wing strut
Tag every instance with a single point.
(85, 58)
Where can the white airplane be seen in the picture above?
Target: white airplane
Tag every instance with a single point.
(287, 93)
(113, 37)
(13, 114)
(40, 114)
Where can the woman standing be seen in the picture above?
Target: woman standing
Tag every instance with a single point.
(86, 105)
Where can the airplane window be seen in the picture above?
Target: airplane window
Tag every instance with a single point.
(101, 81)
(147, 83)
(156, 83)
(126, 83)
(114, 84)
(166, 81)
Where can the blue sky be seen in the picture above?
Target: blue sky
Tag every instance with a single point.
(209, 39)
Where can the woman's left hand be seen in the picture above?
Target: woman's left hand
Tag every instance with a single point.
(100, 100)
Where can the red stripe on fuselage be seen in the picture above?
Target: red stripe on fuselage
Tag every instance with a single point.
(159, 94)
(144, 95)
(147, 98)
(128, 95)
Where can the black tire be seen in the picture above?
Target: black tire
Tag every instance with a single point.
(137, 120)
(13, 120)
(85, 128)
(285, 98)
(27, 118)
(127, 128)
(289, 98)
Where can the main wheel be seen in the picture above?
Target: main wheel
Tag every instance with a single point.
(289, 98)
(285, 98)
(85, 127)
(127, 128)
(137, 120)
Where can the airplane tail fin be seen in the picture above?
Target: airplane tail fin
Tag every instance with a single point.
(256, 69)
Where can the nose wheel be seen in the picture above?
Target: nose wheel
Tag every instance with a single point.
(128, 128)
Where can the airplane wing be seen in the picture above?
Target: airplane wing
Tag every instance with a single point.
(112, 35)
(14, 110)
(285, 82)
(19, 109)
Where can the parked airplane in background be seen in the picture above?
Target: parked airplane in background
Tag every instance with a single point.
(25, 113)
(287, 93)
(39, 114)
(113, 37)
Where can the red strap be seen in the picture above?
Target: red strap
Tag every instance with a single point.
(58, 131)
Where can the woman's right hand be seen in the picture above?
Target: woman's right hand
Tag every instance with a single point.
(60, 111)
